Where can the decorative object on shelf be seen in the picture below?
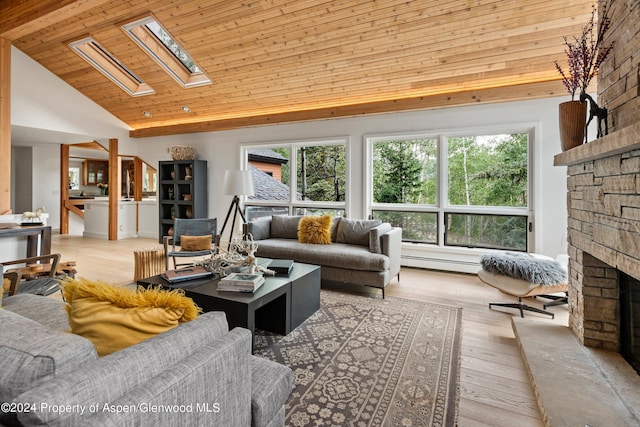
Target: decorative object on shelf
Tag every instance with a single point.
(33, 217)
(104, 189)
(600, 113)
(187, 173)
(572, 119)
(170, 192)
(189, 212)
(236, 183)
(187, 197)
(173, 212)
(585, 55)
(182, 152)
(173, 174)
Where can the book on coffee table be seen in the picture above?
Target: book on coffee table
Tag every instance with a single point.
(241, 282)
(282, 267)
(184, 274)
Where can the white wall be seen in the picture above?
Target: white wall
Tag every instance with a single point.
(36, 102)
(46, 181)
(41, 100)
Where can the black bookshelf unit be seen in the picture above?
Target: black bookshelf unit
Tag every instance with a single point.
(182, 192)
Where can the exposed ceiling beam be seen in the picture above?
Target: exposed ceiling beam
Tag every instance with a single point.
(20, 17)
(499, 94)
(5, 126)
(93, 145)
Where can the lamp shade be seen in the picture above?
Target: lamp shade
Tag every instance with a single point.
(238, 183)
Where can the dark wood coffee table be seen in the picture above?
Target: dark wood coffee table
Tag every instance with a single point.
(280, 305)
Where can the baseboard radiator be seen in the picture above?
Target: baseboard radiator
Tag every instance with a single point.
(438, 263)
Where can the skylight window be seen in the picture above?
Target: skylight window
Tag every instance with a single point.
(111, 67)
(162, 48)
(170, 44)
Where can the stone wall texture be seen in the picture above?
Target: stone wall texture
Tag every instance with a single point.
(618, 87)
(604, 195)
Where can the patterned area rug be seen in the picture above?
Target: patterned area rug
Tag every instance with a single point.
(364, 361)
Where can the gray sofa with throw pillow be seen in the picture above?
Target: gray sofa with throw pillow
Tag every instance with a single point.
(198, 373)
(362, 252)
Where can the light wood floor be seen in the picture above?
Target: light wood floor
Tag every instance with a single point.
(494, 386)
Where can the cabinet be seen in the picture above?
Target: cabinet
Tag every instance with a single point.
(96, 172)
(182, 192)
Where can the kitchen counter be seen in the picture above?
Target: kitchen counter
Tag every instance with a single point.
(134, 218)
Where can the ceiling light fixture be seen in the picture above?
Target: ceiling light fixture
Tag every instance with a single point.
(147, 114)
(186, 109)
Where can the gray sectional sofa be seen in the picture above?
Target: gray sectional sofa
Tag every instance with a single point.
(196, 374)
(362, 252)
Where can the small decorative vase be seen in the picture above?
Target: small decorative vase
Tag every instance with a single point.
(189, 212)
(572, 120)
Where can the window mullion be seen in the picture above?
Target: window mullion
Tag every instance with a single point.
(293, 177)
(443, 187)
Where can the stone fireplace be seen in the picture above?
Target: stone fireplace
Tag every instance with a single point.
(603, 199)
(603, 203)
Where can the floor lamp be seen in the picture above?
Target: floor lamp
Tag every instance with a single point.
(236, 183)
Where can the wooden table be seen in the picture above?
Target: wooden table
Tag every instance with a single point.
(29, 273)
(32, 233)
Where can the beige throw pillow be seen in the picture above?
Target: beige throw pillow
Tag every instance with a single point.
(195, 243)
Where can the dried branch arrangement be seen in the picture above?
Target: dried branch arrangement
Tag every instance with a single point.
(585, 54)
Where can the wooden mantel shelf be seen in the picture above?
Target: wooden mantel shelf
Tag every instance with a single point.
(621, 141)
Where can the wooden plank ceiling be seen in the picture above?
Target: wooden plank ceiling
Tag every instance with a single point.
(285, 60)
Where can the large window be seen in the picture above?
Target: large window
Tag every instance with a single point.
(318, 184)
(467, 190)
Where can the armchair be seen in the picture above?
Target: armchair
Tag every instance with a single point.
(524, 275)
(182, 227)
(45, 284)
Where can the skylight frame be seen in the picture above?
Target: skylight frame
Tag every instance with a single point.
(139, 32)
(109, 65)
